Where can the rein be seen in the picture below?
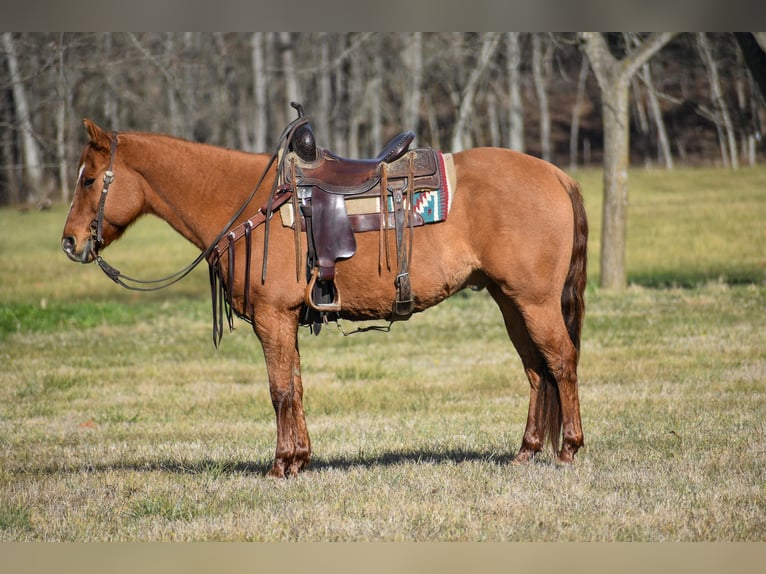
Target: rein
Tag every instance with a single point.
(134, 284)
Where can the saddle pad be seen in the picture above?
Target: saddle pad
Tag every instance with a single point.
(432, 206)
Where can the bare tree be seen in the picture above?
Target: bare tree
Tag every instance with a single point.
(460, 134)
(614, 76)
(292, 89)
(33, 167)
(516, 104)
(723, 122)
(356, 102)
(654, 105)
(234, 89)
(753, 46)
(62, 93)
(110, 102)
(574, 132)
(324, 83)
(540, 72)
(374, 99)
(412, 55)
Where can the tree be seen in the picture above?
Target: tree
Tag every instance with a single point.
(541, 63)
(62, 94)
(412, 55)
(31, 151)
(516, 105)
(614, 76)
(724, 125)
(574, 132)
(260, 82)
(460, 135)
(753, 46)
(234, 89)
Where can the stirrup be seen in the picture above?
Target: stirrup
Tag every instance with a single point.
(404, 305)
(333, 307)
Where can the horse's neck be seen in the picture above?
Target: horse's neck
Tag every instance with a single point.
(196, 187)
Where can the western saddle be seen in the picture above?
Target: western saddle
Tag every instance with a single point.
(322, 182)
(331, 198)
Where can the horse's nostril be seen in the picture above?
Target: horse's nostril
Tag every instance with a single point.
(67, 244)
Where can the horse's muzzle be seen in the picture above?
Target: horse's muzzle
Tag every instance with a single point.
(87, 255)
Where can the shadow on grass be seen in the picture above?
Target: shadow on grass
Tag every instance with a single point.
(215, 468)
(386, 459)
(691, 279)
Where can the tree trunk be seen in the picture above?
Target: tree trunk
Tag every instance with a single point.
(659, 122)
(616, 118)
(260, 81)
(322, 121)
(10, 190)
(726, 127)
(642, 122)
(433, 124)
(374, 101)
(574, 133)
(292, 91)
(110, 104)
(753, 46)
(61, 108)
(516, 104)
(461, 133)
(413, 59)
(614, 77)
(492, 119)
(356, 111)
(539, 63)
(33, 189)
(341, 104)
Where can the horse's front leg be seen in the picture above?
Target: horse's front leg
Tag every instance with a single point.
(293, 451)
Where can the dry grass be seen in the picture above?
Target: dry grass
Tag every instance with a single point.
(119, 421)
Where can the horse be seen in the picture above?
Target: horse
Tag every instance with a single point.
(517, 227)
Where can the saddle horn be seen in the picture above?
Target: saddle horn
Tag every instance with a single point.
(303, 142)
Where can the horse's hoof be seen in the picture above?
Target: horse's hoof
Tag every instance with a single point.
(277, 471)
(524, 457)
(565, 458)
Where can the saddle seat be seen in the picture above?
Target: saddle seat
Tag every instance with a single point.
(336, 174)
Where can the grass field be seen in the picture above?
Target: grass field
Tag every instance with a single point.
(120, 421)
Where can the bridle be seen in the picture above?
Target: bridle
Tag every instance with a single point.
(133, 284)
(97, 226)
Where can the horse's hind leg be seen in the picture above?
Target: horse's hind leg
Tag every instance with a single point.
(280, 347)
(536, 371)
(550, 360)
(547, 329)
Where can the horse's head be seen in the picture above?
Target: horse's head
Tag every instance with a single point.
(101, 210)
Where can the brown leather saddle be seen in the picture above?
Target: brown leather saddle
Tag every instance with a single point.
(325, 186)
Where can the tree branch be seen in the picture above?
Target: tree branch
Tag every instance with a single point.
(653, 44)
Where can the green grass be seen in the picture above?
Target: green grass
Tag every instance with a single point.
(688, 227)
(120, 421)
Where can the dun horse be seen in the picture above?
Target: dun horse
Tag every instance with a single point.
(517, 227)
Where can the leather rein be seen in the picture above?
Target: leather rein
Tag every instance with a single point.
(265, 213)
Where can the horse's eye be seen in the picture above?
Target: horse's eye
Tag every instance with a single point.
(88, 182)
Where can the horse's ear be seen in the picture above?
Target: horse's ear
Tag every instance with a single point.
(98, 137)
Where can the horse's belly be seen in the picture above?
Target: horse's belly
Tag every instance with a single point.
(367, 282)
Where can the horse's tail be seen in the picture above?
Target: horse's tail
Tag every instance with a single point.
(572, 308)
(573, 294)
